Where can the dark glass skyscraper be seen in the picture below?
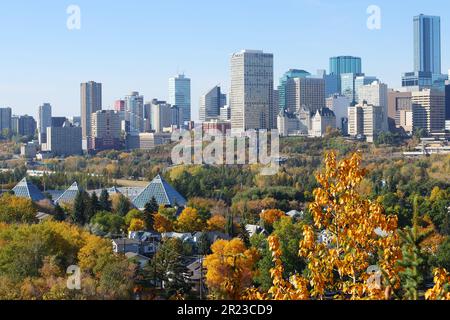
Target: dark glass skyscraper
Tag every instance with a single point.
(345, 64)
(427, 44)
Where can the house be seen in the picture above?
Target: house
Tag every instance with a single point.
(196, 275)
(162, 191)
(255, 229)
(184, 237)
(125, 245)
(142, 261)
(41, 216)
(211, 236)
(295, 214)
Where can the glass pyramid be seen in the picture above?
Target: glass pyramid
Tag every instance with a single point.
(163, 192)
(25, 189)
(69, 195)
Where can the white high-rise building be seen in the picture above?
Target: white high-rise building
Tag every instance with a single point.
(251, 95)
(180, 95)
(339, 105)
(376, 94)
(428, 108)
(44, 121)
(365, 120)
(161, 115)
(91, 102)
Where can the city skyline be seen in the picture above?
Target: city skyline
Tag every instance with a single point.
(49, 75)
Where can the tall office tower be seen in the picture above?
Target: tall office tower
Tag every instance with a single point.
(290, 74)
(210, 104)
(134, 107)
(180, 94)
(331, 82)
(339, 105)
(161, 116)
(429, 110)
(350, 83)
(427, 44)
(120, 105)
(106, 130)
(91, 102)
(447, 100)
(27, 126)
(64, 140)
(58, 121)
(376, 94)
(400, 109)
(365, 119)
(344, 64)
(5, 120)
(275, 109)
(44, 121)
(306, 93)
(15, 124)
(251, 95)
(147, 116)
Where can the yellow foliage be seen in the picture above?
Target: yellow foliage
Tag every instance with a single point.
(137, 225)
(230, 269)
(217, 223)
(440, 291)
(189, 221)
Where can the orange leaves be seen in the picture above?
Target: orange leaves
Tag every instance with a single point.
(230, 269)
(137, 225)
(162, 224)
(441, 289)
(216, 223)
(272, 215)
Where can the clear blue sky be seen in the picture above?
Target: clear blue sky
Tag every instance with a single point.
(136, 45)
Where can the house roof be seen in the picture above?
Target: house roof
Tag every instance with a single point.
(162, 191)
(69, 195)
(25, 189)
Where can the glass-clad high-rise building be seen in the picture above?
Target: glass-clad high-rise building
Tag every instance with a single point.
(427, 44)
(291, 74)
(180, 95)
(345, 64)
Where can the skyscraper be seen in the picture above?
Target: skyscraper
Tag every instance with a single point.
(345, 64)
(306, 93)
(27, 126)
(106, 130)
(427, 44)
(134, 107)
(429, 110)
(180, 94)
(210, 104)
(91, 102)
(251, 95)
(5, 120)
(44, 121)
(290, 74)
(376, 94)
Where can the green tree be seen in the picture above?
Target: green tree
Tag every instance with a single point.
(95, 204)
(168, 267)
(414, 259)
(104, 201)
(123, 205)
(150, 209)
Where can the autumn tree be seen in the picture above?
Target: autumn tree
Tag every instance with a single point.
(162, 224)
(230, 269)
(216, 223)
(189, 221)
(137, 225)
(16, 210)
